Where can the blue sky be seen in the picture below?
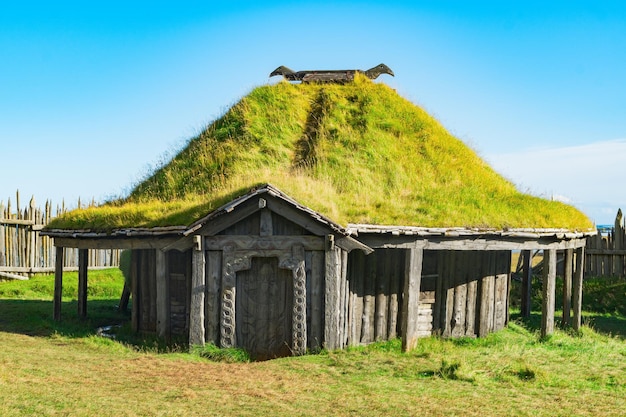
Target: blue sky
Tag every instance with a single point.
(93, 94)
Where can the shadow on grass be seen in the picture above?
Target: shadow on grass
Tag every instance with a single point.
(34, 318)
(602, 323)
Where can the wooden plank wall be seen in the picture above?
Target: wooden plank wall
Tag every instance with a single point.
(605, 253)
(472, 292)
(23, 251)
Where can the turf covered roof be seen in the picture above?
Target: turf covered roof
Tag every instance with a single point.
(356, 153)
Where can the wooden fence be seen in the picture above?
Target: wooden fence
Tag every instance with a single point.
(606, 252)
(24, 252)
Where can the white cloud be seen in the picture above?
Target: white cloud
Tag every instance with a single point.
(592, 177)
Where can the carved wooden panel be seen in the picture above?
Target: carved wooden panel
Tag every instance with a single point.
(264, 301)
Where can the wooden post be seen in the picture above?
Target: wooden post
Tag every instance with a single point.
(162, 296)
(198, 285)
(527, 276)
(332, 294)
(83, 262)
(410, 298)
(134, 288)
(58, 284)
(577, 298)
(567, 286)
(549, 284)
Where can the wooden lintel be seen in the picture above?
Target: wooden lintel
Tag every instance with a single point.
(264, 243)
(115, 243)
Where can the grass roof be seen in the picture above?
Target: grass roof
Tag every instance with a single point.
(357, 153)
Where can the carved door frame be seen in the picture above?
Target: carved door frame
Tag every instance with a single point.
(234, 260)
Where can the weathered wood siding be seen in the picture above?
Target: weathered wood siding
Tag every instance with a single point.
(472, 292)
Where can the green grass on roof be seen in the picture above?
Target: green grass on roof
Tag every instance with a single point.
(357, 153)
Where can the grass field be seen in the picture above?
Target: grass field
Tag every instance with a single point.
(65, 369)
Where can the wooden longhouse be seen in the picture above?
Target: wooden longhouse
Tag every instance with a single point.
(273, 277)
(268, 273)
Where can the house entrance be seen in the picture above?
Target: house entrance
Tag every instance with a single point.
(264, 296)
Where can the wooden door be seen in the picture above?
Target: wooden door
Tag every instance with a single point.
(264, 300)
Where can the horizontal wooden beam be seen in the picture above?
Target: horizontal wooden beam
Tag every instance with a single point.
(264, 243)
(115, 243)
(468, 242)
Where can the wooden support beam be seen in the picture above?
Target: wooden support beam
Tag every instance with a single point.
(527, 276)
(549, 286)
(162, 296)
(198, 287)
(410, 298)
(58, 284)
(567, 286)
(577, 288)
(134, 288)
(83, 263)
(332, 277)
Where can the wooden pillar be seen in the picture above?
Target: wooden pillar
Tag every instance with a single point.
(549, 286)
(162, 296)
(332, 276)
(527, 276)
(567, 286)
(83, 263)
(410, 298)
(577, 298)
(58, 284)
(134, 287)
(198, 286)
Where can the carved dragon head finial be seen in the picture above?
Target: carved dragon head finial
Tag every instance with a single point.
(330, 76)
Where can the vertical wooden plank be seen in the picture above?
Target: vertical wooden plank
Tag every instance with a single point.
(162, 295)
(316, 332)
(577, 297)
(58, 284)
(618, 244)
(527, 275)
(549, 285)
(382, 285)
(212, 310)
(394, 293)
(457, 324)
(367, 325)
(198, 287)
(332, 275)
(410, 298)
(135, 291)
(345, 297)
(2, 237)
(439, 294)
(448, 287)
(486, 285)
(503, 269)
(265, 226)
(473, 274)
(567, 286)
(83, 259)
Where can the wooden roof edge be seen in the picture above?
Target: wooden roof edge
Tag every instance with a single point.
(356, 229)
(123, 232)
(274, 192)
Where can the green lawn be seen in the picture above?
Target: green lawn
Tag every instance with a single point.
(65, 369)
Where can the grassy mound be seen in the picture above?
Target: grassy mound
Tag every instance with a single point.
(357, 153)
